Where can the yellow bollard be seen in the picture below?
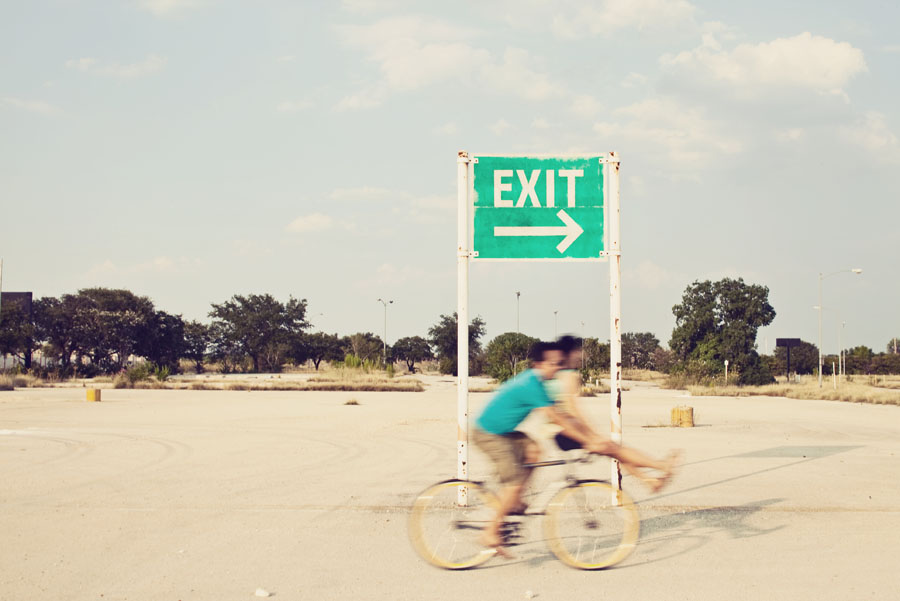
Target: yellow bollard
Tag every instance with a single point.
(93, 395)
(682, 417)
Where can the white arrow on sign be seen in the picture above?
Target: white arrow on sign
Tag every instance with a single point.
(570, 230)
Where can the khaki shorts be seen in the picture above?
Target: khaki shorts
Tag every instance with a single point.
(507, 451)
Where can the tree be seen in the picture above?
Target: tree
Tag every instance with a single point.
(412, 349)
(859, 360)
(719, 320)
(886, 363)
(111, 325)
(804, 358)
(16, 330)
(443, 339)
(663, 360)
(638, 349)
(55, 324)
(507, 354)
(596, 357)
(317, 347)
(164, 341)
(260, 326)
(366, 346)
(225, 347)
(196, 343)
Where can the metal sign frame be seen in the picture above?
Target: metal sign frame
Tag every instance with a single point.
(612, 252)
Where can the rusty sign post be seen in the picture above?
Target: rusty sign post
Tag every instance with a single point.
(537, 208)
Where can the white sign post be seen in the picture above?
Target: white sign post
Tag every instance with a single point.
(537, 208)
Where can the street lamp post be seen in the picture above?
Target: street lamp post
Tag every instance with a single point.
(518, 294)
(582, 347)
(841, 358)
(822, 276)
(384, 341)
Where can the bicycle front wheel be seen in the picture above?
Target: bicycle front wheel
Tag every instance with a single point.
(447, 520)
(591, 526)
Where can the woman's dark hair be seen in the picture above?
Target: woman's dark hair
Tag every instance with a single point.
(541, 348)
(568, 344)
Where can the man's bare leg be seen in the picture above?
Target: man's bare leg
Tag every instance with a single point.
(510, 499)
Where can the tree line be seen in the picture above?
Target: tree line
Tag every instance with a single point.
(100, 331)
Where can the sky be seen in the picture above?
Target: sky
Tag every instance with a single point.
(190, 150)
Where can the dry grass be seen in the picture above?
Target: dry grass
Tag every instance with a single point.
(351, 402)
(485, 388)
(851, 392)
(8, 382)
(644, 375)
(889, 382)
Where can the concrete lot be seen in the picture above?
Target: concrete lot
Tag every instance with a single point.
(209, 495)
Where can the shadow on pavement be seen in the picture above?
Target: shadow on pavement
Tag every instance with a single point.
(805, 453)
(672, 534)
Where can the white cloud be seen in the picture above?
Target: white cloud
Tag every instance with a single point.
(315, 222)
(634, 80)
(650, 276)
(159, 265)
(586, 106)
(367, 6)
(251, 248)
(289, 106)
(287, 58)
(500, 126)
(364, 99)
(169, 8)
(891, 48)
(803, 61)
(364, 194)
(427, 209)
(516, 76)
(388, 274)
(872, 133)
(412, 53)
(151, 64)
(792, 134)
(577, 19)
(663, 125)
(447, 129)
(34, 106)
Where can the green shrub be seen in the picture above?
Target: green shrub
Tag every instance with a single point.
(139, 372)
(162, 373)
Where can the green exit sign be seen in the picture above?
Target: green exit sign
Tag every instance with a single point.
(538, 208)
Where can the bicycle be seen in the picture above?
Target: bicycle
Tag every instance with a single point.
(588, 524)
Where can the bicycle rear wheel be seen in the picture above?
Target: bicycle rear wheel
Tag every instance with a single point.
(591, 526)
(444, 532)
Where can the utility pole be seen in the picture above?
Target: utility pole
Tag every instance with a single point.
(384, 341)
(822, 276)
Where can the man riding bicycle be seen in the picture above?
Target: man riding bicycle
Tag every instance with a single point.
(496, 435)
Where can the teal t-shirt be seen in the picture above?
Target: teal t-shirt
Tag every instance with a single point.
(512, 403)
